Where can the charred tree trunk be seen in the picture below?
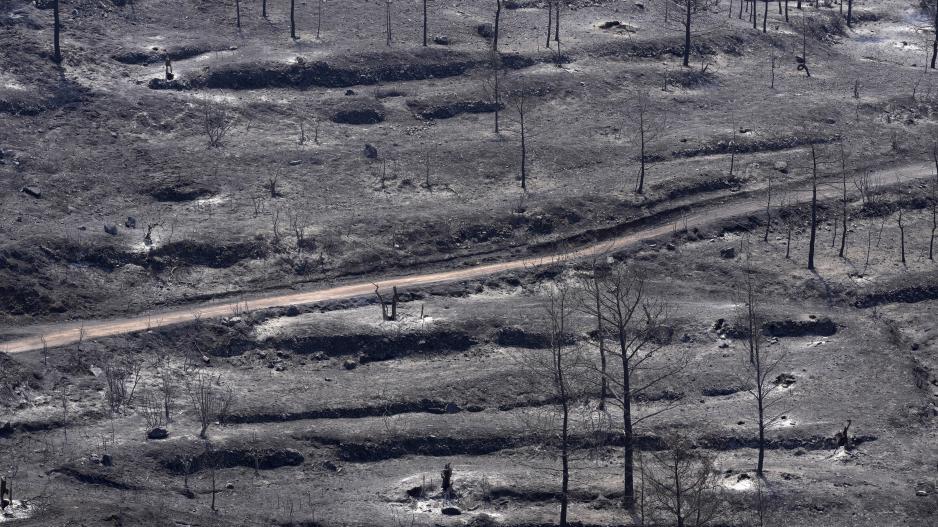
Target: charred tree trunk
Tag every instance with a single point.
(850, 14)
(387, 23)
(843, 209)
(524, 150)
(934, 45)
(56, 30)
(238, 13)
(550, 20)
(264, 8)
(293, 19)
(901, 236)
(424, 23)
(641, 139)
(813, 208)
(557, 23)
(765, 16)
(687, 20)
(934, 209)
(498, 16)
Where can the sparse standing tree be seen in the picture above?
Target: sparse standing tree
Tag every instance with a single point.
(558, 5)
(550, 20)
(293, 19)
(591, 286)
(238, 13)
(558, 377)
(762, 364)
(319, 18)
(813, 208)
(901, 235)
(934, 207)
(634, 321)
(843, 201)
(765, 15)
(210, 399)
(648, 129)
(683, 484)
(387, 24)
(768, 213)
(56, 30)
(264, 8)
(498, 15)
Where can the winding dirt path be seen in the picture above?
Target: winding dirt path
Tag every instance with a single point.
(69, 333)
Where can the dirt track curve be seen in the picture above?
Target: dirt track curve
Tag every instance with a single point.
(68, 333)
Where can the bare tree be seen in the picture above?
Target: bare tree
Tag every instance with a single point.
(498, 16)
(424, 23)
(385, 313)
(491, 86)
(387, 21)
(210, 399)
(264, 8)
(293, 19)
(813, 208)
(843, 201)
(762, 365)
(650, 125)
(56, 31)
(691, 9)
(238, 14)
(636, 323)
(768, 213)
(216, 123)
(901, 235)
(683, 484)
(934, 208)
(592, 285)
(319, 19)
(558, 375)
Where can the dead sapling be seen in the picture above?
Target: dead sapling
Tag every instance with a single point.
(388, 309)
(447, 485)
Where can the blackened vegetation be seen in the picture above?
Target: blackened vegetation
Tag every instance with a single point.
(261, 458)
(358, 114)
(905, 295)
(447, 109)
(774, 144)
(156, 55)
(377, 347)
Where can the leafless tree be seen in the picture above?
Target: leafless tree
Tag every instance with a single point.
(498, 16)
(56, 31)
(763, 363)
(424, 23)
(843, 202)
(592, 285)
(386, 313)
(264, 8)
(650, 125)
(216, 123)
(813, 208)
(768, 213)
(319, 4)
(238, 14)
(559, 376)
(387, 22)
(210, 399)
(691, 9)
(901, 235)
(293, 19)
(934, 207)
(683, 484)
(636, 323)
(491, 86)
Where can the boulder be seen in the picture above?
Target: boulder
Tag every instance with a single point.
(371, 152)
(33, 191)
(451, 511)
(107, 460)
(158, 433)
(441, 40)
(110, 228)
(131, 222)
(728, 252)
(781, 166)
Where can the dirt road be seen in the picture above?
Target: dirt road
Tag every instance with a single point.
(63, 334)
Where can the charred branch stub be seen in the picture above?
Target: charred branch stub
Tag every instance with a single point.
(388, 309)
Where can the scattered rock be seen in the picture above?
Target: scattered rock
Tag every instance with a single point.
(158, 433)
(781, 166)
(728, 252)
(785, 380)
(442, 40)
(330, 466)
(229, 485)
(296, 162)
(921, 492)
(293, 311)
(349, 93)
(639, 5)
(350, 364)
(451, 511)
(131, 222)
(110, 228)
(107, 460)
(371, 152)
(35, 192)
